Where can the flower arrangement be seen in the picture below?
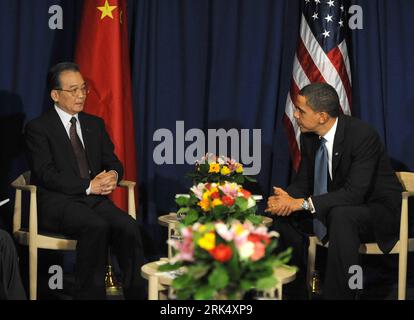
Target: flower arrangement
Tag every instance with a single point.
(213, 168)
(224, 201)
(224, 261)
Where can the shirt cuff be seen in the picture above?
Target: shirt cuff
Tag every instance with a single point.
(88, 191)
(312, 207)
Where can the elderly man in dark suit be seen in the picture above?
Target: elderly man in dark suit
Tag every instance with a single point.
(345, 191)
(73, 163)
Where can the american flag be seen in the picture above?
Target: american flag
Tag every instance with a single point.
(321, 56)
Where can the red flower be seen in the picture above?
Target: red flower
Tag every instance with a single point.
(215, 195)
(227, 201)
(208, 186)
(255, 238)
(246, 193)
(221, 253)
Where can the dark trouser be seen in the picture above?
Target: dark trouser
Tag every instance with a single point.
(11, 287)
(348, 227)
(97, 223)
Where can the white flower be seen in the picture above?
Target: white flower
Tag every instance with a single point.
(246, 250)
(221, 160)
(224, 232)
(250, 202)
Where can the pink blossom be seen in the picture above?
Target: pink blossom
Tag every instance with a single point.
(198, 190)
(259, 251)
(230, 189)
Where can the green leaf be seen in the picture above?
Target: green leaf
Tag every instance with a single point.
(183, 210)
(169, 267)
(182, 282)
(197, 271)
(182, 201)
(204, 293)
(246, 285)
(204, 168)
(250, 179)
(239, 179)
(266, 283)
(191, 217)
(255, 219)
(219, 210)
(241, 202)
(219, 278)
(184, 294)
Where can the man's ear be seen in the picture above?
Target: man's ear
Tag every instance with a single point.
(54, 95)
(324, 117)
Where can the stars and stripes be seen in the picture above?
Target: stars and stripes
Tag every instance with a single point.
(321, 56)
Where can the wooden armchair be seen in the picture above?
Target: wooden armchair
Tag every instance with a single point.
(43, 240)
(403, 245)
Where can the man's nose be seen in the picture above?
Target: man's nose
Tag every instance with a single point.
(296, 114)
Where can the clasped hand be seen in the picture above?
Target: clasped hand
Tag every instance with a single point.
(282, 204)
(104, 183)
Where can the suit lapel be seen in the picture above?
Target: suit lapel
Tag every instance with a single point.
(338, 146)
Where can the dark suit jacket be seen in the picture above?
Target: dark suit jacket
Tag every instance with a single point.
(53, 163)
(362, 174)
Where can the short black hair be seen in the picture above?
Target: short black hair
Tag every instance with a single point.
(53, 76)
(322, 97)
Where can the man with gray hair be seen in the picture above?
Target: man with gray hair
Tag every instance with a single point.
(345, 191)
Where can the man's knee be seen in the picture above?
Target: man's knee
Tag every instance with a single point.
(5, 239)
(339, 217)
(130, 230)
(97, 226)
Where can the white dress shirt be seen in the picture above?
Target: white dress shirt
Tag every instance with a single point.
(329, 137)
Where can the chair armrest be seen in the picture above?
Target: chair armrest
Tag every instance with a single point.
(28, 187)
(131, 197)
(127, 184)
(407, 194)
(32, 209)
(404, 219)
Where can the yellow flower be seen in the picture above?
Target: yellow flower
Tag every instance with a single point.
(204, 204)
(206, 195)
(225, 171)
(208, 241)
(216, 202)
(239, 169)
(213, 190)
(214, 168)
(239, 229)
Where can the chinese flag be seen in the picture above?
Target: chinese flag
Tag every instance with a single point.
(102, 53)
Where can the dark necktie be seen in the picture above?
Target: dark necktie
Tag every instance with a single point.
(79, 151)
(320, 184)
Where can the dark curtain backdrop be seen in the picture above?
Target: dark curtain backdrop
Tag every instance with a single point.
(212, 64)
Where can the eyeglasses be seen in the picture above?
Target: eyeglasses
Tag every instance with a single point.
(74, 92)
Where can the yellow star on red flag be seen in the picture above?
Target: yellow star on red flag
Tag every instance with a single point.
(107, 10)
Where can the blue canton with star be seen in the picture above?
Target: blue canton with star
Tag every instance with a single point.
(328, 21)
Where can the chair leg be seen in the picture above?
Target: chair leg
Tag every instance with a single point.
(33, 272)
(311, 260)
(402, 274)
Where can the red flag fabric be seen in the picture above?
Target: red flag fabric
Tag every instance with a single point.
(321, 56)
(102, 53)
